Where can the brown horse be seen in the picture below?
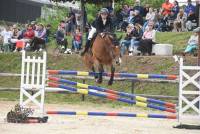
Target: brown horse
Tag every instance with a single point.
(103, 52)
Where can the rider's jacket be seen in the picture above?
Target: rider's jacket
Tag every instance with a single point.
(101, 27)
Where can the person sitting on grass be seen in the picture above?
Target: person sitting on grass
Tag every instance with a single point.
(77, 40)
(192, 44)
(61, 39)
(38, 41)
(126, 42)
(148, 39)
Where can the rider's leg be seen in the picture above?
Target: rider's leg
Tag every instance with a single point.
(88, 43)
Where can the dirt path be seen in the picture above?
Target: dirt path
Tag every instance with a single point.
(90, 125)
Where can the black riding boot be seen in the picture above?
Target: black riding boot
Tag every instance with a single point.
(87, 46)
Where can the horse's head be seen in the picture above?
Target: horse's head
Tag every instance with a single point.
(115, 45)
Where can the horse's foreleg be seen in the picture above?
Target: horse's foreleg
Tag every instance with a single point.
(95, 74)
(100, 79)
(110, 82)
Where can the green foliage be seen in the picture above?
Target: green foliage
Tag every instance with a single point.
(91, 10)
(53, 16)
(153, 3)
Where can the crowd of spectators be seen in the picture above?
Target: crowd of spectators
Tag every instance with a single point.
(139, 22)
(31, 37)
(142, 22)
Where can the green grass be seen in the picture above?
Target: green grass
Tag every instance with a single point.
(11, 63)
(178, 40)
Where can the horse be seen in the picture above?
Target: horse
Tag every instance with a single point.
(104, 52)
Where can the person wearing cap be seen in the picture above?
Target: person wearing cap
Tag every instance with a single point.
(103, 23)
(192, 43)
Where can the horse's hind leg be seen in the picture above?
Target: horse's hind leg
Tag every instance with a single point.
(110, 82)
(100, 79)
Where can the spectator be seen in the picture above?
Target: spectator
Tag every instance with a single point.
(190, 8)
(38, 41)
(166, 8)
(22, 31)
(1, 40)
(175, 8)
(7, 35)
(33, 24)
(138, 7)
(118, 19)
(125, 11)
(77, 40)
(16, 34)
(131, 16)
(137, 35)
(137, 18)
(29, 34)
(191, 20)
(179, 23)
(60, 38)
(148, 39)
(78, 19)
(149, 17)
(146, 9)
(48, 32)
(27, 37)
(192, 44)
(109, 7)
(125, 44)
(163, 24)
(71, 22)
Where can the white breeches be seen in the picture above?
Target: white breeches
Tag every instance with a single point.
(91, 33)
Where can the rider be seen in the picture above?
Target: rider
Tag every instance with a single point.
(103, 23)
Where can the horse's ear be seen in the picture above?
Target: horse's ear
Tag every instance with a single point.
(110, 36)
(102, 35)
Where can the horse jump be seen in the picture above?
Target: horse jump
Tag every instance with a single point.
(37, 81)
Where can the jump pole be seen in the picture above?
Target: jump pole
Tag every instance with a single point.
(126, 75)
(112, 114)
(139, 98)
(111, 97)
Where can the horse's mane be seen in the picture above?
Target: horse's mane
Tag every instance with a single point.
(112, 37)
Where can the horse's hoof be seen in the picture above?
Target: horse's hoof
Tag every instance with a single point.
(110, 83)
(99, 81)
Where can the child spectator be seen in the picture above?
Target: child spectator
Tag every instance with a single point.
(77, 40)
(7, 35)
(192, 44)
